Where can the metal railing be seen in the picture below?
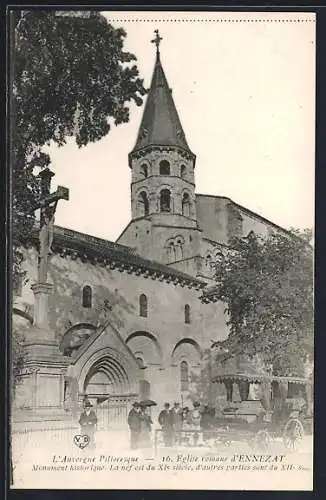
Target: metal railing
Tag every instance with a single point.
(113, 413)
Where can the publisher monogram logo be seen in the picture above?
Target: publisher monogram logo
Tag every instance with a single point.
(81, 440)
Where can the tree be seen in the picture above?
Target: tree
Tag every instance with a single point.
(267, 286)
(70, 77)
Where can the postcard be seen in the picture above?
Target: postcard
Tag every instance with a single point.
(162, 219)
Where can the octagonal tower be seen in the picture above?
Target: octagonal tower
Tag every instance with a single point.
(163, 206)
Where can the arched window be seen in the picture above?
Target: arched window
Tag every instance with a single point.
(143, 205)
(165, 200)
(184, 376)
(164, 167)
(143, 306)
(187, 314)
(218, 258)
(170, 250)
(209, 261)
(183, 171)
(87, 296)
(186, 205)
(179, 249)
(144, 170)
(140, 361)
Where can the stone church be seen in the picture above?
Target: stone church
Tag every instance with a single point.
(125, 320)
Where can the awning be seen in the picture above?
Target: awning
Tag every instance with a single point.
(258, 378)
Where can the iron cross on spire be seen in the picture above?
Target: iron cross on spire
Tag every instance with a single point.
(47, 203)
(157, 40)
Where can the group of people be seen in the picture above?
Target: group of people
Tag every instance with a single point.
(174, 423)
(139, 421)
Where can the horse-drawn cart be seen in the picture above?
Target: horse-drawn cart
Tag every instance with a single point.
(281, 408)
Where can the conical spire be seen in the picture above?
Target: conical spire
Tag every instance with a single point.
(160, 123)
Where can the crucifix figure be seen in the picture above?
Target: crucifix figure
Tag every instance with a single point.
(157, 40)
(47, 204)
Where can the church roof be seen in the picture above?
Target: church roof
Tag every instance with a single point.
(160, 125)
(115, 256)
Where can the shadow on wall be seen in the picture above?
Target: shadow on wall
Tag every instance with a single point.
(146, 344)
(66, 304)
(75, 337)
(186, 348)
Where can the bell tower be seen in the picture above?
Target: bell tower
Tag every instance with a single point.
(163, 206)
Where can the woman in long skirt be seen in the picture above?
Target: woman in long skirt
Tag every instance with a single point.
(145, 429)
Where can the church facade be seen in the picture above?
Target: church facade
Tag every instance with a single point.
(125, 319)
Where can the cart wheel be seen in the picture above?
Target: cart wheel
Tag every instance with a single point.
(293, 433)
(262, 440)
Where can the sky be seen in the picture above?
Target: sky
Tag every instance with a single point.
(244, 87)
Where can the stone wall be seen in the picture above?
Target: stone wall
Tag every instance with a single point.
(152, 236)
(234, 218)
(220, 219)
(161, 340)
(212, 217)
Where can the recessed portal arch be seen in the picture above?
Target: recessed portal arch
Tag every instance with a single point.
(106, 376)
(107, 371)
(186, 349)
(147, 343)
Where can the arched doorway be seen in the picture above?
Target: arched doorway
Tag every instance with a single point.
(107, 384)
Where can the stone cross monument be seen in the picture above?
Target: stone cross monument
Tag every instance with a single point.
(47, 204)
(45, 366)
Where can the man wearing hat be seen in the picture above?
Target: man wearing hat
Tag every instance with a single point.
(134, 422)
(165, 421)
(88, 421)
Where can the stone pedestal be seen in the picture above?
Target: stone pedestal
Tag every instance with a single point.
(42, 291)
(40, 390)
(41, 387)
